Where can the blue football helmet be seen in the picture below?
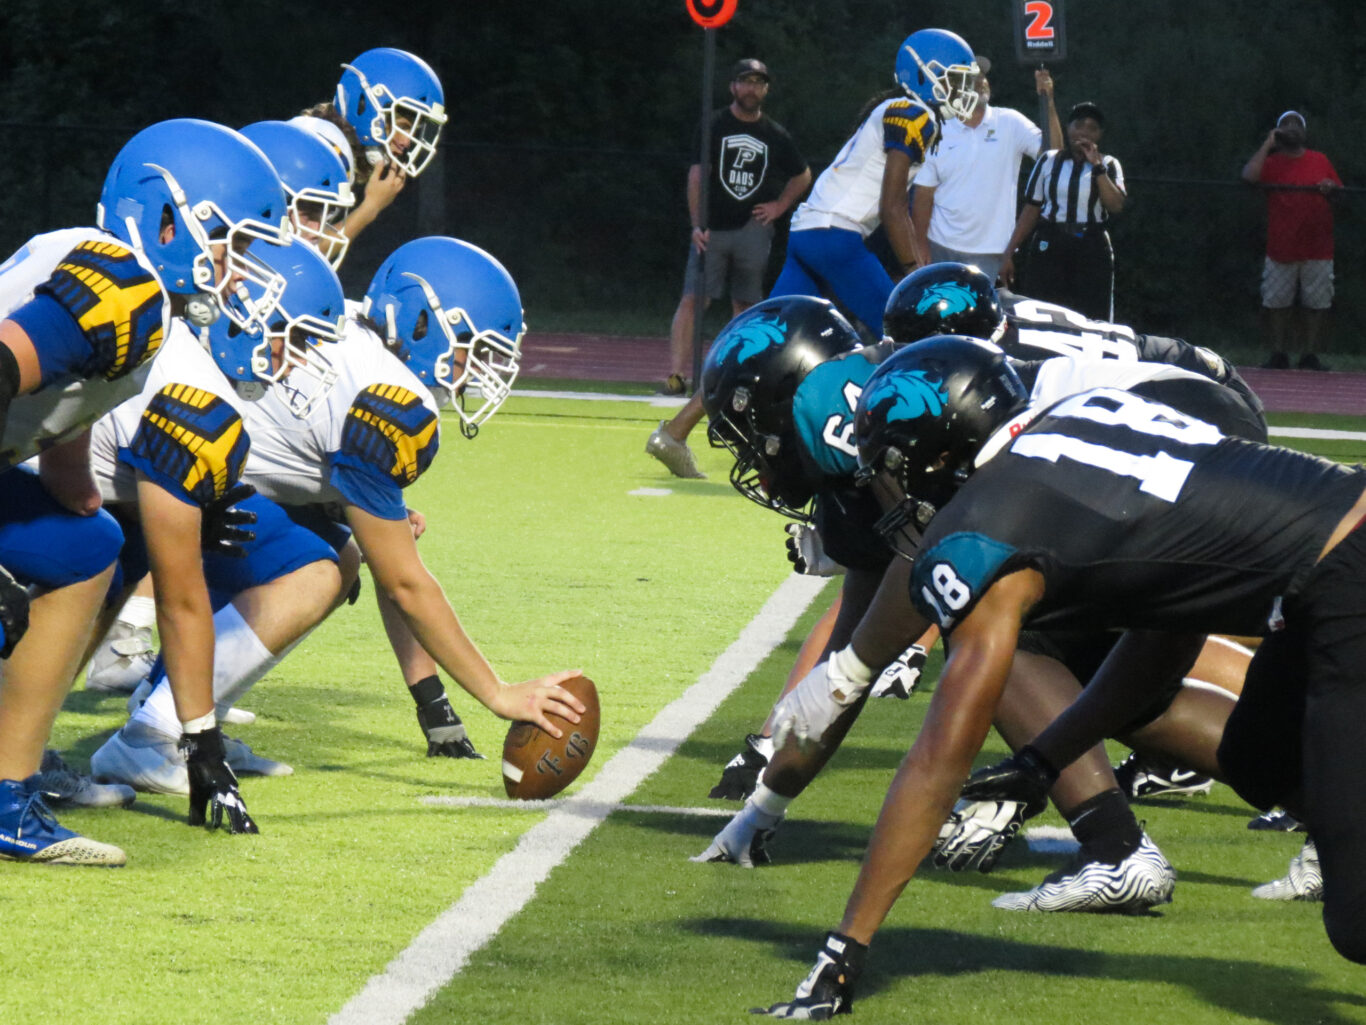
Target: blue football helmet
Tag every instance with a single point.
(218, 191)
(394, 101)
(310, 313)
(748, 380)
(452, 313)
(938, 68)
(315, 181)
(330, 133)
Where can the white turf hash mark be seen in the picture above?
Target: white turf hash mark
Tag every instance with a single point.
(442, 949)
(651, 492)
(506, 804)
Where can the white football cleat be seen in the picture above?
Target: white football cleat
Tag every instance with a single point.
(247, 762)
(1304, 881)
(1142, 880)
(143, 758)
(673, 453)
(123, 660)
(744, 841)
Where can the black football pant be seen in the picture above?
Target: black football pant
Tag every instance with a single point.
(1300, 729)
(1073, 269)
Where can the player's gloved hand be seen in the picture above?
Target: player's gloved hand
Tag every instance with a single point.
(899, 679)
(13, 612)
(214, 797)
(829, 989)
(807, 554)
(1025, 778)
(744, 841)
(808, 709)
(446, 736)
(976, 833)
(225, 529)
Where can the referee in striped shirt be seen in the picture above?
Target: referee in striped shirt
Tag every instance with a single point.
(1070, 196)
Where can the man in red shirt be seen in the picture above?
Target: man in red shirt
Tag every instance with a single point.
(1299, 239)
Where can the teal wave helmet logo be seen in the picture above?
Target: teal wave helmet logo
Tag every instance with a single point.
(949, 296)
(747, 340)
(908, 396)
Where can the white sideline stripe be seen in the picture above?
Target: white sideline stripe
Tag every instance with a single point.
(444, 947)
(1315, 432)
(507, 804)
(594, 396)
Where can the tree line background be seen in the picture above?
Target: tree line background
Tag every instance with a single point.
(570, 122)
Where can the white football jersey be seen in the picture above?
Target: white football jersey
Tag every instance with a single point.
(847, 193)
(105, 286)
(185, 427)
(378, 427)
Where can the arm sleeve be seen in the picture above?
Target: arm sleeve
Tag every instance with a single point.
(190, 443)
(389, 439)
(117, 307)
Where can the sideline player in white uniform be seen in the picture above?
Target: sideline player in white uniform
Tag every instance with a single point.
(868, 181)
(84, 309)
(453, 314)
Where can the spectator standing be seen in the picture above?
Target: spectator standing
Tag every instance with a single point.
(963, 204)
(757, 176)
(1299, 239)
(1071, 195)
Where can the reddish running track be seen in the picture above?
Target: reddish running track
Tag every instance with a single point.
(585, 357)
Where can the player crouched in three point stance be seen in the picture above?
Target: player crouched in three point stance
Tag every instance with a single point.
(1106, 511)
(804, 445)
(440, 325)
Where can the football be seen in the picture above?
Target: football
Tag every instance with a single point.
(535, 764)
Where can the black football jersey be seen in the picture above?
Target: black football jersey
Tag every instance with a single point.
(1038, 330)
(1138, 517)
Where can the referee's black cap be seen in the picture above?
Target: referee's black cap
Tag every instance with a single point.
(750, 66)
(1087, 109)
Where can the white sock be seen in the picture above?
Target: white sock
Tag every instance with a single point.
(239, 658)
(158, 711)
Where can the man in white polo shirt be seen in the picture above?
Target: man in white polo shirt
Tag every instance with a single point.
(963, 203)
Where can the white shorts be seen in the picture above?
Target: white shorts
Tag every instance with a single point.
(1313, 279)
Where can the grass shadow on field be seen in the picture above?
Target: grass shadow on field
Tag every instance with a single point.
(925, 953)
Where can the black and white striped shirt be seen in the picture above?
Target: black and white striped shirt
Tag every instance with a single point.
(1064, 188)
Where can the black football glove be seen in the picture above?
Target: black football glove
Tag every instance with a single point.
(1025, 777)
(829, 989)
(13, 612)
(446, 736)
(223, 528)
(976, 833)
(900, 679)
(741, 774)
(807, 554)
(213, 785)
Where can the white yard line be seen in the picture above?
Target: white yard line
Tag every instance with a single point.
(442, 949)
(1315, 432)
(507, 804)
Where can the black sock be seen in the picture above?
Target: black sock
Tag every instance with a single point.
(427, 690)
(1105, 827)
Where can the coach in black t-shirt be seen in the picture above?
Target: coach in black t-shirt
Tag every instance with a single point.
(757, 175)
(1071, 195)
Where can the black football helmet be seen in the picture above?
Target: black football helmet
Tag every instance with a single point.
(943, 299)
(923, 416)
(748, 380)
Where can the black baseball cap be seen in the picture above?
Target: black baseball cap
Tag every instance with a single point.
(750, 66)
(1086, 109)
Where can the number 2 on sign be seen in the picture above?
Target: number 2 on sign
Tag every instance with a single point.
(1040, 26)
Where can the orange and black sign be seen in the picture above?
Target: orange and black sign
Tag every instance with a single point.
(1040, 34)
(711, 13)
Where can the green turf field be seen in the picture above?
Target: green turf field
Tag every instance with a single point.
(553, 563)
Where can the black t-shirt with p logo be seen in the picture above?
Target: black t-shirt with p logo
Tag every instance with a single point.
(751, 162)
